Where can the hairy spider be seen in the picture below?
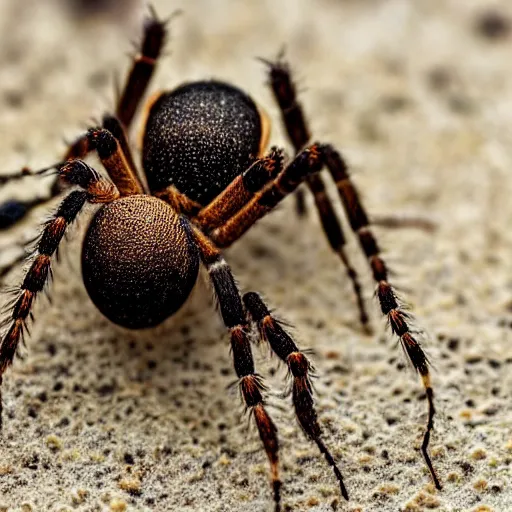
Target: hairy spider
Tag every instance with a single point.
(208, 181)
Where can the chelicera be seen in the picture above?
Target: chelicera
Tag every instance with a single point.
(207, 179)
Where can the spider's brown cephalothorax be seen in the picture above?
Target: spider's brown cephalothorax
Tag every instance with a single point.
(210, 180)
(139, 262)
(199, 137)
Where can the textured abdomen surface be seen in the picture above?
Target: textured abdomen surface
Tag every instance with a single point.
(139, 263)
(199, 137)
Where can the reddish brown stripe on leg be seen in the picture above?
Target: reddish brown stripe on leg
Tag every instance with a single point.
(389, 304)
(234, 317)
(285, 347)
(268, 436)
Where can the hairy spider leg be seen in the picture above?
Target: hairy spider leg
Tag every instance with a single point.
(390, 305)
(115, 162)
(143, 67)
(293, 117)
(251, 384)
(241, 190)
(231, 199)
(95, 189)
(307, 162)
(286, 349)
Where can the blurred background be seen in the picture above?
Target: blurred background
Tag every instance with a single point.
(418, 96)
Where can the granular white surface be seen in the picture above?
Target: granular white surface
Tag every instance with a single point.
(420, 102)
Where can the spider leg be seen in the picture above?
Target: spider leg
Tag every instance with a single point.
(113, 150)
(240, 191)
(294, 120)
(137, 81)
(307, 162)
(404, 221)
(14, 210)
(235, 196)
(283, 345)
(111, 123)
(398, 319)
(111, 144)
(135, 86)
(94, 190)
(115, 161)
(179, 202)
(143, 67)
(251, 386)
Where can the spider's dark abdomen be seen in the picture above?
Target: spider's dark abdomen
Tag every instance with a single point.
(139, 263)
(199, 137)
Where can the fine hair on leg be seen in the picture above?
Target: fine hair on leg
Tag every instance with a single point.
(241, 190)
(235, 320)
(94, 189)
(390, 305)
(308, 161)
(294, 120)
(299, 367)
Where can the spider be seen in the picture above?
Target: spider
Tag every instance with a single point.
(207, 179)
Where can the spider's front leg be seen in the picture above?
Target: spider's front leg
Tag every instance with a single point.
(251, 385)
(286, 349)
(241, 190)
(14, 210)
(94, 190)
(118, 162)
(307, 163)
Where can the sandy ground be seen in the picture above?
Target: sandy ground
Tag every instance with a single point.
(419, 97)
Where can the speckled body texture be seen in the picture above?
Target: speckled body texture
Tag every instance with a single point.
(199, 137)
(139, 262)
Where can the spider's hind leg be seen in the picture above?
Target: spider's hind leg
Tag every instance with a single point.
(294, 120)
(143, 68)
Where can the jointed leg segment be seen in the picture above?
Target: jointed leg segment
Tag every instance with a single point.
(95, 190)
(235, 319)
(142, 70)
(294, 120)
(387, 298)
(14, 210)
(115, 161)
(286, 349)
(307, 162)
(251, 387)
(236, 195)
(118, 164)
